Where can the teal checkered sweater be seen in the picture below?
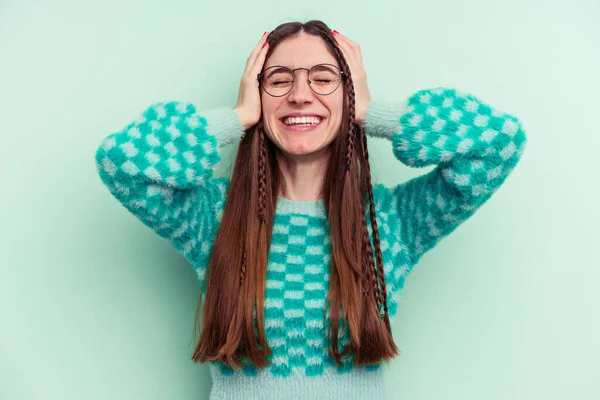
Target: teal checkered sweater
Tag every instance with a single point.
(161, 168)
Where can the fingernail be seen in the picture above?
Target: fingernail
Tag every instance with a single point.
(335, 32)
(264, 44)
(264, 33)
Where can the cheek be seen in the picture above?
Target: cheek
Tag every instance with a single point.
(339, 115)
(338, 105)
(267, 116)
(268, 111)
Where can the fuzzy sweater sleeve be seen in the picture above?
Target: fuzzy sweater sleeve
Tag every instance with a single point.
(160, 167)
(473, 147)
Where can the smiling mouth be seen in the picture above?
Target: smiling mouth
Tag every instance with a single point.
(302, 121)
(300, 125)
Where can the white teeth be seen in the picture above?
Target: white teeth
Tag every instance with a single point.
(302, 121)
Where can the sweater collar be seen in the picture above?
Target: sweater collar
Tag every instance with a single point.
(315, 208)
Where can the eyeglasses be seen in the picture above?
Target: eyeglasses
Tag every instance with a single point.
(278, 80)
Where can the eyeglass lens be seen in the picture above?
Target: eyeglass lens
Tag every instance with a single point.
(278, 81)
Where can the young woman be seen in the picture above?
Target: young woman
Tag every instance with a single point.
(298, 254)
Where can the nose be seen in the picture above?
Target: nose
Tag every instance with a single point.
(301, 92)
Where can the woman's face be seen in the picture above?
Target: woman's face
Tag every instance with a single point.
(303, 51)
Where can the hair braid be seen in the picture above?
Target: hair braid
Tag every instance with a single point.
(262, 176)
(351, 103)
(378, 253)
(369, 267)
(243, 268)
(349, 87)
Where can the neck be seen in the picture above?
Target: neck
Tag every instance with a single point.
(303, 175)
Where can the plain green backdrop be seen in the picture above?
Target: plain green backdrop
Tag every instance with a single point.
(94, 305)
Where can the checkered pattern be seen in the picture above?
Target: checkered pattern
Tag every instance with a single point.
(473, 147)
(297, 283)
(160, 168)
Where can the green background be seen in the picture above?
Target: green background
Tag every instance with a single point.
(94, 305)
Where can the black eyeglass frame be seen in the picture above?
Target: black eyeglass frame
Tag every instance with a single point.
(259, 77)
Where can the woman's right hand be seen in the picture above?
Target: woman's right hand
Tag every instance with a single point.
(248, 108)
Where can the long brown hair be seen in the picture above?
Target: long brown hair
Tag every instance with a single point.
(236, 274)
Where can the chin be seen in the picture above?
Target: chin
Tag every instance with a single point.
(299, 149)
(302, 149)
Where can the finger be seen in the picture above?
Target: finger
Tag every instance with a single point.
(355, 48)
(252, 58)
(348, 52)
(344, 38)
(260, 60)
(342, 42)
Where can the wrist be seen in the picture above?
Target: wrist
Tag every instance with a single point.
(361, 112)
(240, 117)
(245, 121)
(360, 116)
(383, 117)
(223, 124)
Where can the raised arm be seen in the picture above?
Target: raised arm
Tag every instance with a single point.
(473, 146)
(160, 167)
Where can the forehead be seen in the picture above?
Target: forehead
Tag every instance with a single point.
(301, 52)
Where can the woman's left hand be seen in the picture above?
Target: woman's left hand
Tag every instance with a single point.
(353, 57)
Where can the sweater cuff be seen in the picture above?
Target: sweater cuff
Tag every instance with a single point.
(383, 118)
(224, 124)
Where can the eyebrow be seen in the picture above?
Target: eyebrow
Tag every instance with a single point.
(273, 70)
(276, 70)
